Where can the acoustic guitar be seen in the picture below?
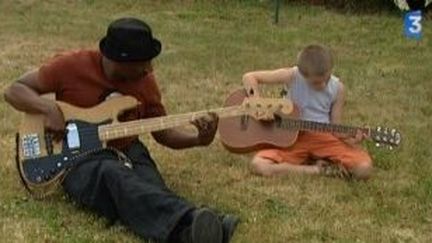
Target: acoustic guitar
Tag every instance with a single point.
(243, 134)
(42, 162)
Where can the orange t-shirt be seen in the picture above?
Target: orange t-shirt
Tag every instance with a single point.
(78, 79)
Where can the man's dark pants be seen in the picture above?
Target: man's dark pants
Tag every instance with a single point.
(136, 196)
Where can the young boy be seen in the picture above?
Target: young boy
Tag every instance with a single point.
(320, 97)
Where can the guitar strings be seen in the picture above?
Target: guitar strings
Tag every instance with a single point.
(138, 126)
(172, 117)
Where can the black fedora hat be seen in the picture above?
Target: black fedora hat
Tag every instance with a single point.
(129, 40)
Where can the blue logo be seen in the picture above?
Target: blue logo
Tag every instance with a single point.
(413, 25)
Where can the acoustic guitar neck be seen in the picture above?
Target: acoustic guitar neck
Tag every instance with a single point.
(137, 127)
(305, 125)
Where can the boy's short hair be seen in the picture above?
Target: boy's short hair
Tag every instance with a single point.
(315, 60)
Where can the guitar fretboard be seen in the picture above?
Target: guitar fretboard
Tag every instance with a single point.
(319, 126)
(132, 128)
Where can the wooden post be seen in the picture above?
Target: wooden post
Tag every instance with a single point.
(277, 8)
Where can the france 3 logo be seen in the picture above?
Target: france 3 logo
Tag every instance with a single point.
(413, 25)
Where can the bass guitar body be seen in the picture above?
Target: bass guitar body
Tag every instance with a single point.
(42, 160)
(244, 134)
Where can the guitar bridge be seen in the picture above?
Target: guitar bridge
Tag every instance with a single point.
(244, 122)
(31, 146)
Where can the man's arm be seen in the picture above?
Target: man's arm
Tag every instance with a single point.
(177, 139)
(24, 95)
(251, 80)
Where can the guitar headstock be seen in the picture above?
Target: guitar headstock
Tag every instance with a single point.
(266, 108)
(386, 137)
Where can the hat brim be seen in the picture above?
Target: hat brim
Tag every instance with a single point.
(115, 55)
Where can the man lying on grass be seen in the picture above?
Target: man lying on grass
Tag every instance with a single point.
(320, 97)
(138, 197)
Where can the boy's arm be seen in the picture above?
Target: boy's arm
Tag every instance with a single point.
(336, 118)
(338, 105)
(251, 80)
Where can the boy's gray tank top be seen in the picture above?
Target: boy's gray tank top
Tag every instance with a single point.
(314, 105)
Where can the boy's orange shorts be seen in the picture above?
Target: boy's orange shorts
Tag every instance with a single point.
(315, 145)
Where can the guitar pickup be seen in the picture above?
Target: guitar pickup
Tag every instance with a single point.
(31, 146)
(72, 137)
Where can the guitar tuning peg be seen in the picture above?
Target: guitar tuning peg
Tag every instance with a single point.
(378, 145)
(390, 147)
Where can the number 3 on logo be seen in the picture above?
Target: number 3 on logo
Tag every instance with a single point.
(413, 26)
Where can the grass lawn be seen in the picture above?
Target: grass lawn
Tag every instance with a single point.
(207, 48)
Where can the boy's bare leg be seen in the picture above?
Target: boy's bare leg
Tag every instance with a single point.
(267, 167)
(363, 171)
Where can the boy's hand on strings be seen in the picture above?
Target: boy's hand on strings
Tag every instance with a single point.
(355, 140)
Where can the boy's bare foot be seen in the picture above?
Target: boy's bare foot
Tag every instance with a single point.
(333, 170)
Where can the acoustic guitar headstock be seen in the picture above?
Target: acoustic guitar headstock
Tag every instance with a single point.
(386, 137)
(266, 108)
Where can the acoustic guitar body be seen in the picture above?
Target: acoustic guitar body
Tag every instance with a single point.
(245, 134)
